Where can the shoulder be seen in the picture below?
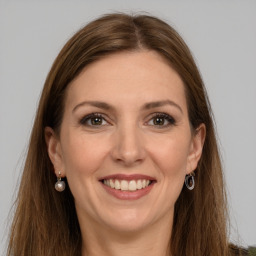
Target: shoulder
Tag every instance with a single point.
(239, 251)
(252, 251)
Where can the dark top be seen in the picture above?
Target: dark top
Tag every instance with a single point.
(236, 251)
(252, 251)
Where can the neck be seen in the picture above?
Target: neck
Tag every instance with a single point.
(150, 241)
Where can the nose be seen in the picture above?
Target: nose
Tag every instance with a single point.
(128, 146)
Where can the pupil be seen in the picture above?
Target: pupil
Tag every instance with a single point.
(96, 121)
(159, 121)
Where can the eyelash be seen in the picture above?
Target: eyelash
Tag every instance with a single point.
(171, 121)
(86, 118)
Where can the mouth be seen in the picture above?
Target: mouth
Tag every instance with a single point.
(128, 186)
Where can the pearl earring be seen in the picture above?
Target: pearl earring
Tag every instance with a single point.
(60, 185)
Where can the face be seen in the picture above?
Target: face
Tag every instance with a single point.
(125, 141)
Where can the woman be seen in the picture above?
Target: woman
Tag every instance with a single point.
(124, 131)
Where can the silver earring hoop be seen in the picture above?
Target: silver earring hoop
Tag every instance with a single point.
(60, 184)
(190, 181)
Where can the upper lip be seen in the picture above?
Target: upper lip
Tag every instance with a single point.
(128, 177)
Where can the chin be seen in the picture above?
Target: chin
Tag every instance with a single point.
(128, 220)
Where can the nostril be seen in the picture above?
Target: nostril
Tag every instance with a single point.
(128, 148)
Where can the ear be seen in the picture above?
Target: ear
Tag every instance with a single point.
(54, 151)
(196, 148)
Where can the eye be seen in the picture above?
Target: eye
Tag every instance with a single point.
(161, 120)
(94, 119)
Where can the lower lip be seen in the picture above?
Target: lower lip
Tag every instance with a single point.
(128, 195)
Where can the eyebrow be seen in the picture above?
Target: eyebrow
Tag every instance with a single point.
(146, 106)
(156, 104)
(98, 104)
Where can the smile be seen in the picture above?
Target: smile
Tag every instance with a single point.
(127, 185)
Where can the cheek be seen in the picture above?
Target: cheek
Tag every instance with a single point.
(82, 155)
(171, 155)
(82, 158)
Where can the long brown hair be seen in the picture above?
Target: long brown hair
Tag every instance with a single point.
(45, 221)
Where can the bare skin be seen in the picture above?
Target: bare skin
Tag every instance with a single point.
(125, 121)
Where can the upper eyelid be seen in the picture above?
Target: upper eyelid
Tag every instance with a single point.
(91, 115)
(162, 114)
(108, 119)
(159, 113)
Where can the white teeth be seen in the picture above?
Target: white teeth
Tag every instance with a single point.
(112, 184)
(117, 184)
(126, 185)
(139, 184)
(132, 185)
(143, 183)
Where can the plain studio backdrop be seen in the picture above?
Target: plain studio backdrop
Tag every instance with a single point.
(221, 36)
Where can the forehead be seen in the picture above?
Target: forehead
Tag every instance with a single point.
(128, 77)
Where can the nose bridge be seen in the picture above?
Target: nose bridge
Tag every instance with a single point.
(128, 143)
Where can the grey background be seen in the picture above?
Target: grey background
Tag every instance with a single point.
(222, 37)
